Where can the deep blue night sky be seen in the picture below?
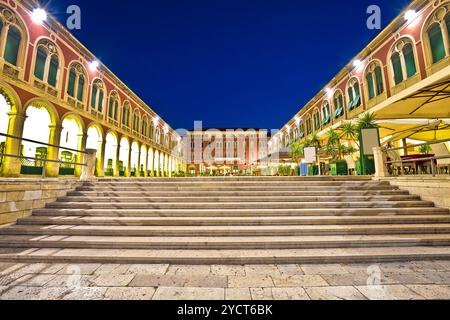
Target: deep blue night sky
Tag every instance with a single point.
(230, 63)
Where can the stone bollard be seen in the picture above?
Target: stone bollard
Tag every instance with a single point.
(88, 171)
(380, 163)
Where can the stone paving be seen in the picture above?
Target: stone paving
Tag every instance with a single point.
(387, 281)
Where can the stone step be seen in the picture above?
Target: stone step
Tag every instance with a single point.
(240, 205)
(226, 231)
(235, 221)
(236, 193)
(233, 188)
(224, 243)
(244, 178)
(227, 257)
(215, 199)
(252, 212)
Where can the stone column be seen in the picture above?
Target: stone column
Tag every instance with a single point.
(11, 166)
(52, 168)
(88, 172)
(138, 168)
(152, 164)
(128, 168)
(101, 159)
(116, 165)
(380, 163)
(82, 139)
(146, 164)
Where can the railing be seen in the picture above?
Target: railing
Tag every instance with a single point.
(405, 165)
(43, 160)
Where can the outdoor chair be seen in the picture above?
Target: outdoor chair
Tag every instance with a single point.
(396, 167)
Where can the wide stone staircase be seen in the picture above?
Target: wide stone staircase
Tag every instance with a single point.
(231, 221)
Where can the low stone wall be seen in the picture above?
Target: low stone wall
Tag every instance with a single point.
(18, 197)
(436, 189)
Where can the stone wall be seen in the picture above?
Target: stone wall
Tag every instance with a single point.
(18, 197)
(436, 189)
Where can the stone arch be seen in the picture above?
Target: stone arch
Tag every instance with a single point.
(111, 145)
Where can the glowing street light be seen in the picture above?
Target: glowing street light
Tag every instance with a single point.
(155, 121)
(357, 63)
(410, 15)
(93, 66)
(329, 92)
(39, 15)
(297, 120)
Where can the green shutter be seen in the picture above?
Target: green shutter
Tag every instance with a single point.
(39, 66)
(100, 101)
(370, 86)
(94, 96)
(379, 80)
(53, 71)
(71, 84)
(124, 115)
(12, 45)
(410, 61)
(397, 67)
(357, 96)
(80, 93)
(110, 108)
(447, 22)
(436, 43)
(116, 110)
(350, 98)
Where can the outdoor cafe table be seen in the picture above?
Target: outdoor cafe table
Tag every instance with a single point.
(418, 161)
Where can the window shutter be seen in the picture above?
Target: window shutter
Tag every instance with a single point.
(379, 80)
(436, 42)
(110, 109)
(39, 66)
(80, 92)
(71, 84)
(397, 67)
(116, 109)
(100, 101)
(53, 71)
(94, 95)
(410, 62)
(370, 85)
(12, 45)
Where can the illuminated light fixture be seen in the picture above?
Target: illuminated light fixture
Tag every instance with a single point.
(155, 121)
(297, 120)
(166, 129)
(410, 15)
(357, 63)
(329, 92)
(288, 129)
(39, 15)
(93, 66)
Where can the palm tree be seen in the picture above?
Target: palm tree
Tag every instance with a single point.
(368, 120)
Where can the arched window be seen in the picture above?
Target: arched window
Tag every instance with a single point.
(158, 135)
(437, 34)
(136, 120)
(353, 94)
(46, 65)
(436, 42)
(374, 78)
(317, 120)
(403, 61)
(326, 116)
(152, 131)
(296, 134)
(13, 40)
(301, 130)
(12, 46)
(338, 105)
(76, 83)
(113, 108)
(126, 115)
(144, 128)
(97, 96)
(308, 126)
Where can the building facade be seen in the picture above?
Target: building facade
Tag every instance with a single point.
(53, 90)
(225, 151)
(402, 77)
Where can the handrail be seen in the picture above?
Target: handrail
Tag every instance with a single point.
(41, 143)
(40, 159)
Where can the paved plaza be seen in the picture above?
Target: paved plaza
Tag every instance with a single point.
(387, 281)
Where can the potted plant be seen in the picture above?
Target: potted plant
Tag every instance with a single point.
(297, 153)
(425, 149)
(336, 150)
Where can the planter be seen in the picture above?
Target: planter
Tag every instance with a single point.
(339, 168)
(297, 171)
(314, 170)
(369, 164)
